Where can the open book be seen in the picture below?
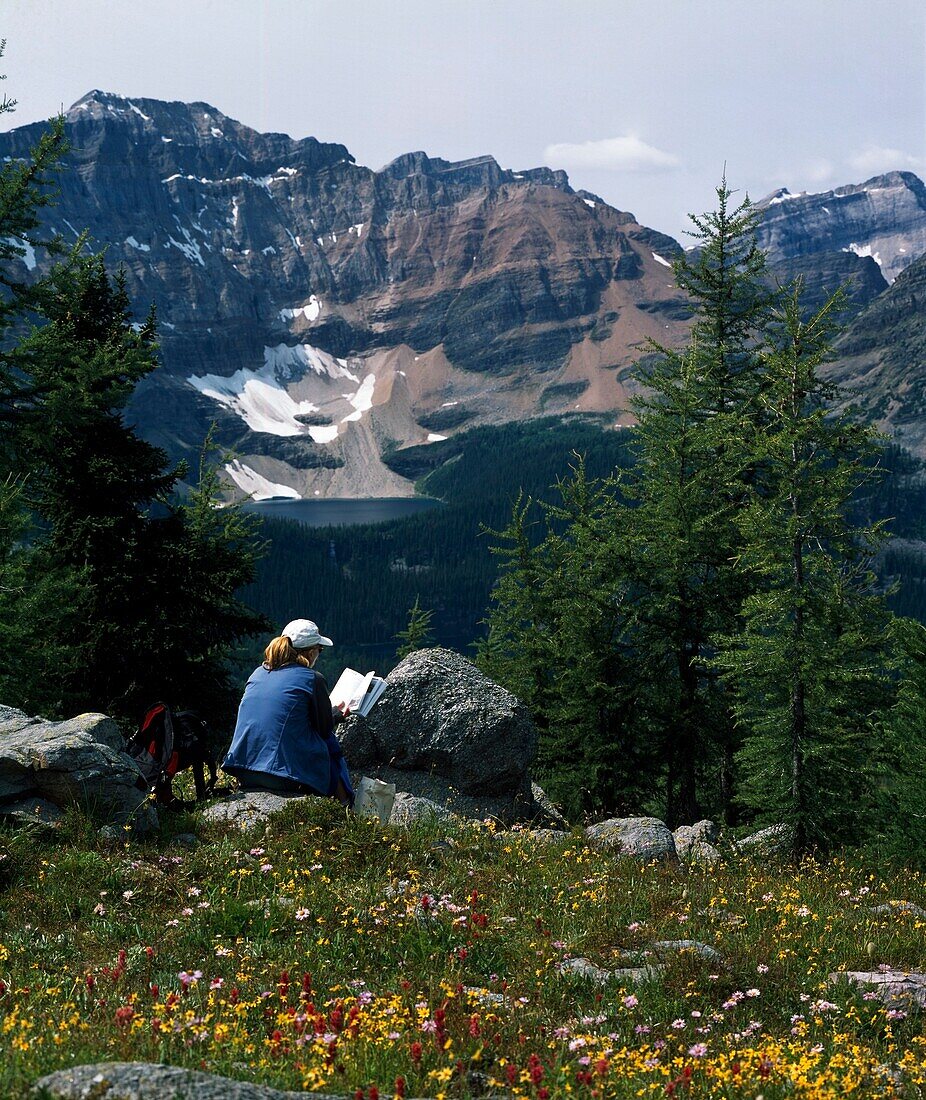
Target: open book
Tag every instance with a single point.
(359, 692)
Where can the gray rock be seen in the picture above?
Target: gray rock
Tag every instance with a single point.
(245, 809)
(893, 907)
(76, 762)
(700, 852)
(705, 951)
(641, 837)
(546, 814)
(504, 808)
(37, 812)
(185, 840)
(408, 809)
(896, 988)
(149, 1081)
(584, 969)
(702, 832)
(440, 715)
(772, 840)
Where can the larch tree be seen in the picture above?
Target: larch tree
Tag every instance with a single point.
(807, 666)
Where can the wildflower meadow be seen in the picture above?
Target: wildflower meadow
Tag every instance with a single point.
(330, 953)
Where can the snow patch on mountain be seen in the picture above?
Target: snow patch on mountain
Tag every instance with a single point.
(255, 485)
(864, 250)
(290, 362)
(134, 244)
(310, 310)
(29, 252)
(362, 400)
(259, 399)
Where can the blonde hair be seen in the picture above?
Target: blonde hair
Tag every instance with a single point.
(281, 651)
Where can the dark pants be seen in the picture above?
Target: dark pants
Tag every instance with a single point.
(278, 784)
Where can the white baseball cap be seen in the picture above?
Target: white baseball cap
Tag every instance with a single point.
(304, 633)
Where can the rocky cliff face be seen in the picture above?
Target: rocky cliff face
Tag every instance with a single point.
(882, 358)
(325, 314)
(862, 235)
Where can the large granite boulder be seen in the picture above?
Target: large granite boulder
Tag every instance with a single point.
(643, 838)
(444, 731)
(76, 762)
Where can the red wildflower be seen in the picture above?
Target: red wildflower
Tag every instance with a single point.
(400, 1088)
(416, 1052)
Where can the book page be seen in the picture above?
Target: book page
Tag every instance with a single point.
(350, 688)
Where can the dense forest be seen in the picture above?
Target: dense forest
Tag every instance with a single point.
(360, 582)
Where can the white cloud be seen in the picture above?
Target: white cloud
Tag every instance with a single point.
(628, 153)
(874, 159)
(818, 170)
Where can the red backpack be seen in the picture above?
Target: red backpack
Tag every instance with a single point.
(169, 741)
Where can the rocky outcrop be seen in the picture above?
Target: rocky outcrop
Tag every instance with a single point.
(643, 838)
(152, 1081)
(882, 219)
(445, 732)
(47, 765)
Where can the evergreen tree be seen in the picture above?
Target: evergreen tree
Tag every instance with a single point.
(26, 188)
(901, 819)
(417, 634)
(556, 639)
(687, 486)
(130, 598)
(807, 668)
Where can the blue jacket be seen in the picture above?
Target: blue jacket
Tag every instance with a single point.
(285, 728)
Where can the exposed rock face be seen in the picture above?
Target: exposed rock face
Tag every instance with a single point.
(445, 731)
(881, 356)
(322, 311)
(79, 761)
(643, 838)
(150, 1081)
(883, 219)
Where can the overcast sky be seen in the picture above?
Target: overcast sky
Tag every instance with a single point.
(641, 101)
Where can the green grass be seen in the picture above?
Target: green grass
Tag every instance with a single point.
(433, 957)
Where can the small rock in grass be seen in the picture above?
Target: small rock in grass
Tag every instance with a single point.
(895, 988)
(149, 1081)
(702, 832)
(248, 808)
(773, 840)
(409, 809)
(696, 947)
(892, 907)
(186, 840)
(643, 838)
(583, 968)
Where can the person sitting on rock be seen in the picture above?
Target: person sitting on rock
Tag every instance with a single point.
(284, 738)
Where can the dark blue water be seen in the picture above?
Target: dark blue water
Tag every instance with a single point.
(342, 512)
